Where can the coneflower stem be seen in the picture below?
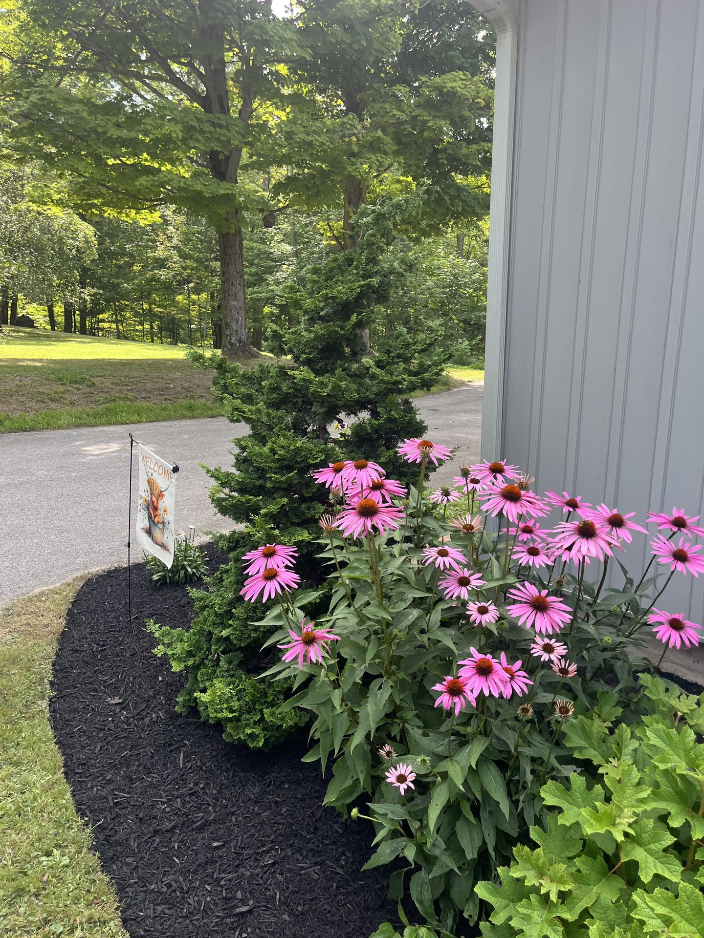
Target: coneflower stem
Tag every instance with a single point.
(601, 581)
(343, 581)
(640, 618)
(449, 735)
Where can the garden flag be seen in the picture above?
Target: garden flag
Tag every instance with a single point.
(155, 514)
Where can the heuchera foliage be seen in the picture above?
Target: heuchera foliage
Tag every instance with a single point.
(290, 407)
(456, 669)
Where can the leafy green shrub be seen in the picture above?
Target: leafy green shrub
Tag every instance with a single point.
(188, 565)
(449, 696)
(289, 408)
(623, 856)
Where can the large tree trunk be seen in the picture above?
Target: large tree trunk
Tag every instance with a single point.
(83, 308)
(68, 316)
(232, 295)
(14, 309)
(4, 305)
(51, 314)
(355, 193)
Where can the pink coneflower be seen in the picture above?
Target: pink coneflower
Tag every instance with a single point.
(444, 557)
(467, 481)
(619, 526)
(360, 474)
(582, 540)
(387, 752)
(532, 555)
(310, 644)
(415, 450)
(535, 608)
(678, 521)
(563, 667)
(483, 674)
(674, 631)
(364, 516)
(527, 530)
(272, 581)
(682, 557)
(482, 613)
(469, 524)
(401, 776)
(548, 650)
(271, 555)
(458, 584)
(331, 475)
(382, 490)
(454, 694)
(518, 680)
(490, 473)
(568, 503)
(445, 495)
(511, 501)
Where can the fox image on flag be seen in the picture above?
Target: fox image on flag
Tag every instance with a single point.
(157, 499)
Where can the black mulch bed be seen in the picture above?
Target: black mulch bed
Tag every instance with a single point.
(201, 838)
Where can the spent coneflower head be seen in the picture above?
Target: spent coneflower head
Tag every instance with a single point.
(563, 709)
(674, 631)
(310, 644)
(525, 711)
(678, 522)
(682, 556)
(327, 522)
(387, 752)
(469, 524)
(415, 450)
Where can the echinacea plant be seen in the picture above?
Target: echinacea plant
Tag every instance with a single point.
(447, 673)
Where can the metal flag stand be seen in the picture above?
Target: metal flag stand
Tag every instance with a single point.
(129, 532)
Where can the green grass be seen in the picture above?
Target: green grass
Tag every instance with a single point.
(465, 373)
(52, 380)
(51, 882)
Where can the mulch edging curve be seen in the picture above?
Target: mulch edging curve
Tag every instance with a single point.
(202, 839)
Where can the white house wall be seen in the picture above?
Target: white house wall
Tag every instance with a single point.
(603, 389)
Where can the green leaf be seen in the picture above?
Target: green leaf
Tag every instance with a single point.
(387, 852)
(647, 845)
(592, 880)
(438, 800)
(376, 702)
(419, 888)
(504, 898)
(587, 737)
(535, 919)
(469, 834)
(534, 868)
(679, 916)
(558, 842)
(574, 800)
(493, 781)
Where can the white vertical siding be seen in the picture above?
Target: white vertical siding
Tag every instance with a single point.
(604, 366)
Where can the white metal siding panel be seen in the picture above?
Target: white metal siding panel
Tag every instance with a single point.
(605, 325)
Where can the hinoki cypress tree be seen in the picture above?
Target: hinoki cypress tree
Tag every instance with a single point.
(289, 406)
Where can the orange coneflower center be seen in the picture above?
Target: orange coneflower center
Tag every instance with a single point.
(482, 610)
(616, 520)
(270, 573)
(268, 551)
(533, 551)
(360, 464)
(338, 466)
(680, 555)
(377, 484)
(467, 528)
(483, 667)
(572, 503)
(586, 529)
(527, 529)
(509, 670)
(308, 637)
(443, 552)
(678, 522)
(511, 493)
(463, 580)
(676, 624)
(367, 508)
(539, 603)
(425, 444)
(455, 688)
(497, 468)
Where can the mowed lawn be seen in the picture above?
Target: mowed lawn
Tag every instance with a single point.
(51, 380)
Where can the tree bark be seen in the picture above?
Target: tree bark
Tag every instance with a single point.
(68, 316)
(355, 193)
(14, 308)
(460, 245)
(232, 295)
(83, 308)
(4, 305)
(51, 314)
